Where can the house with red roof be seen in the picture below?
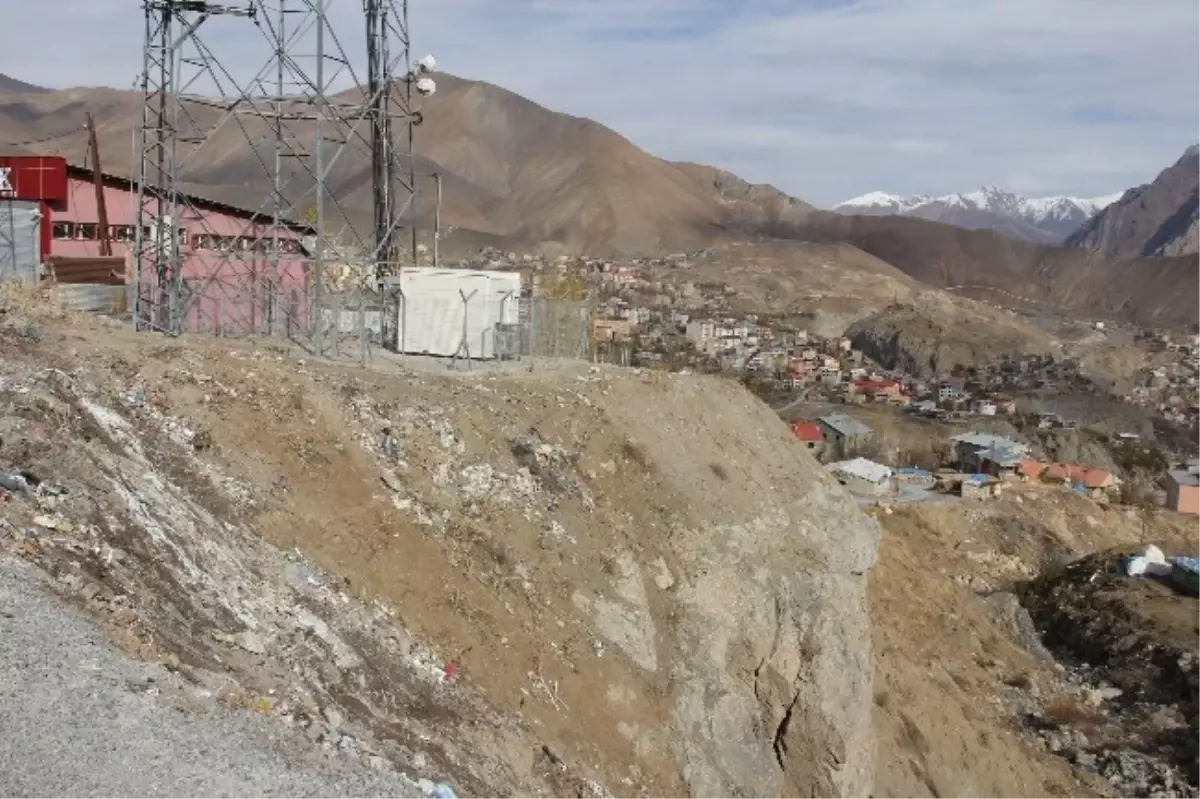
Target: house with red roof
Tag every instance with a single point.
(876, 388)
(810, 435)
(1097, 483)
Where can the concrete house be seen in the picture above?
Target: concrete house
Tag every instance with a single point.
(809, 434)
(1183, 489)
(984, 453)
(842, 433)
(979, 486)
(863, 476)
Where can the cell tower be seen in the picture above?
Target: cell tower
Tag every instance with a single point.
(272, 78)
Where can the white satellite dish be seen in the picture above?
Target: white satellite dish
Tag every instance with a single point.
(426, 86)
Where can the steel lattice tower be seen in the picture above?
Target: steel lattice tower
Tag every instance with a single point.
(307, 116)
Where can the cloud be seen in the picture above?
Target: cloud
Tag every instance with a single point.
(824, 98)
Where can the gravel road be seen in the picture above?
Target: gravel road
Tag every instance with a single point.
(80, 718)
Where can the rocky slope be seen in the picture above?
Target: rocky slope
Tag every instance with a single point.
(519, 583)
(969, 699)
(928, 336)
(1139, 636)
(1045, 220)
(1160, 218)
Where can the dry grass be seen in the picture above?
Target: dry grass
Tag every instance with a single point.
(1067, 710)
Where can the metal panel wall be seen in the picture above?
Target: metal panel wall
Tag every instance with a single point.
(20, 240)
(454, 311)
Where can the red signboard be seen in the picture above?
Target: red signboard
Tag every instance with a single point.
(33, 177)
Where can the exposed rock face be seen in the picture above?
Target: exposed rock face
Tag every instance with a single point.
(925, 342)
(1160, 218)
(771, 659)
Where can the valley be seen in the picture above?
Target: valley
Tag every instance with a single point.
(581, 471)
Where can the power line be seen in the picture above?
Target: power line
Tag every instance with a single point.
(43, 140)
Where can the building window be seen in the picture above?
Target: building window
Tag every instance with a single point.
(121, 232)
(85, 231)
(63, 230)
(204, 241)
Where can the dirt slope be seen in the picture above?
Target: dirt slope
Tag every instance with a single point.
(662, 610)
(930, 335)
(512, 170)
(964, 685)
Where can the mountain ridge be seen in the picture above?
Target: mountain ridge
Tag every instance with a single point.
(1043, 220)
(1160, 218)
(514, 173)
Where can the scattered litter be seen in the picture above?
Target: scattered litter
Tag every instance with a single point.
(134, 397)
(1149, 561)
(18, 481)
(549, 689)
(436, 790)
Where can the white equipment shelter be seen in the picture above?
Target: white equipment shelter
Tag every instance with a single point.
(454, 312)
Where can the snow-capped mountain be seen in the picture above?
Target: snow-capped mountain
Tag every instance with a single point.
(1043, 219)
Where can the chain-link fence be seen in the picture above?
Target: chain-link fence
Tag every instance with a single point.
(470, 327)
(352, 322)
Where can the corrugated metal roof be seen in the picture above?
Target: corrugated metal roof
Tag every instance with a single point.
(988, 440)
(1185, 477)
(862, 468)
(845, 425)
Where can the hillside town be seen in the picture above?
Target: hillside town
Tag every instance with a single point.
(644, 320)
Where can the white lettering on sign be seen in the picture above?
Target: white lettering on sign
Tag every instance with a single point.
(6, 186)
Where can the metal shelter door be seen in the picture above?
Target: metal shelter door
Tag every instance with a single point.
(20, 242)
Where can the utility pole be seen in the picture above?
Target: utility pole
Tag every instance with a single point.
(98, 181)
(437, 217)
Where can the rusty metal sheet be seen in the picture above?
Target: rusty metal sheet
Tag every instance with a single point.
(106, 270)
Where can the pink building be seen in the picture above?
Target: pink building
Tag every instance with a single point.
(1183, 489)
(227, 270)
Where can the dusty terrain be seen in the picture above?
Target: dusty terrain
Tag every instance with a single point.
(933, 334)
(832, 284)
(624, 606)
(580, 580)
(964, 687)
(1138, 634)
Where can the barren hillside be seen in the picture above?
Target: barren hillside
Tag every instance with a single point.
(986, 264)
(579, 581)
(514, 172)
(1160, 218)
(621, 605)
(931, 335)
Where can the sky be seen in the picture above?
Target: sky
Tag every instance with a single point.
(825, 99)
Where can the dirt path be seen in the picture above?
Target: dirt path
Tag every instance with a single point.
(82, 719)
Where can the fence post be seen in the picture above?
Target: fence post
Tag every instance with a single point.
(337, 325)
(532, 330)
(362, 327)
